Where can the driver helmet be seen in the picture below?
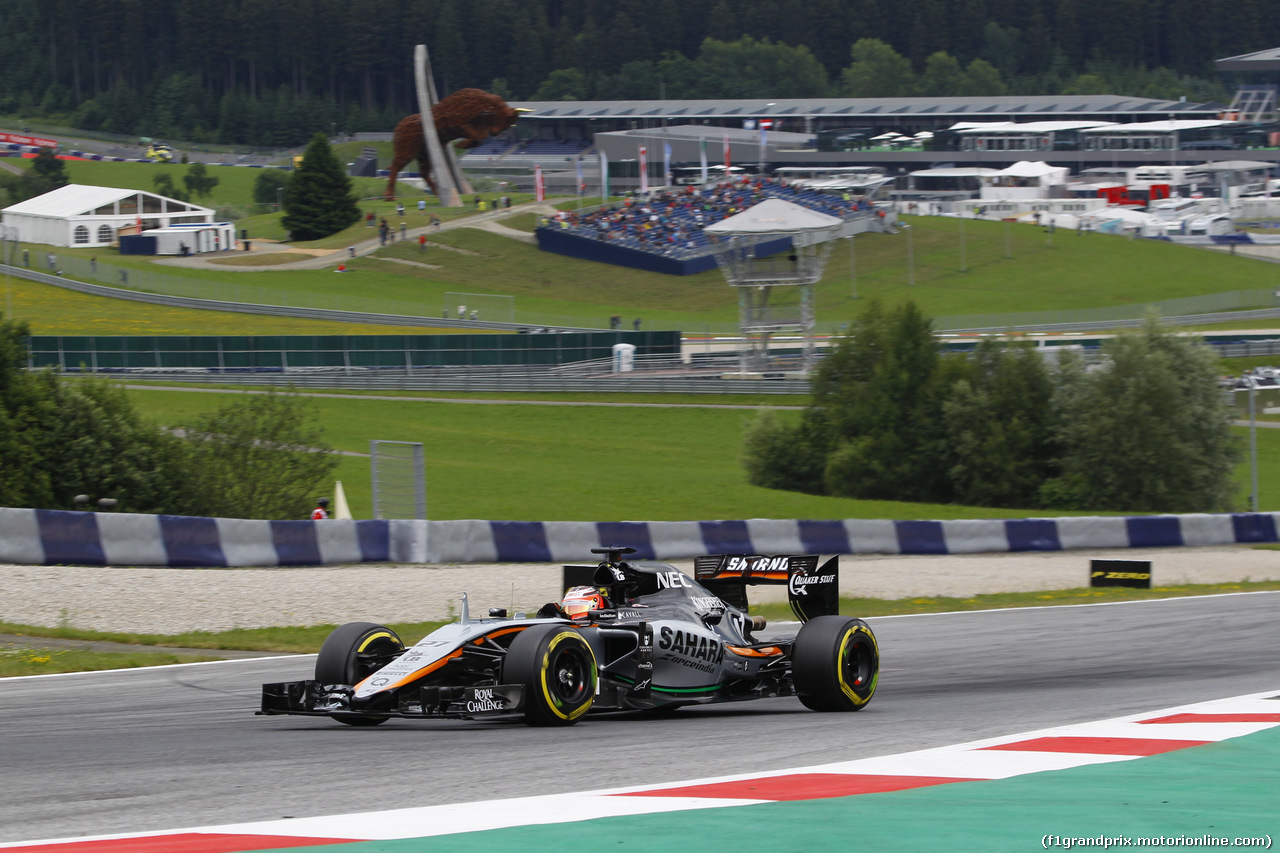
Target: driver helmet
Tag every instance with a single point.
(579, 601)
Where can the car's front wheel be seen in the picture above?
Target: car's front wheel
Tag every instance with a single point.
(558, 670)
(835, 664)
(351, 654)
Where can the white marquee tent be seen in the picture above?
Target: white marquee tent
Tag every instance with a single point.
(79, 215)
(775, 216)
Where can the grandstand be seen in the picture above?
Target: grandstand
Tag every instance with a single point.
(664, 232)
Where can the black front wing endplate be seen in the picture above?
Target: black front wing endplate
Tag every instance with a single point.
(311, 698)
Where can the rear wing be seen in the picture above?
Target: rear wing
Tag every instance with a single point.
(812, 590)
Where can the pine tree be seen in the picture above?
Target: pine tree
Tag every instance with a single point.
(318, 200)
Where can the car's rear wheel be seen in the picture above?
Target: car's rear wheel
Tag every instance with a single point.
(351, 654)
(835, 664)
(558, 670)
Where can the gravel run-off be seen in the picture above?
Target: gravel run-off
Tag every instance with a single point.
(169, 601)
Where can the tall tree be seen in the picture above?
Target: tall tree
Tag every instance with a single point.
(942, 77)
(876, 71)
(999, 427)
(878, 395)
(748, 68)
(983, 79)
(318, 200)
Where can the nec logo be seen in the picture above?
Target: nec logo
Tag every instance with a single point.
(673, 580)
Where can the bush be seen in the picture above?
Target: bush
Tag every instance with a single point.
(778, 455)
(1146, 431)
(267, 184)
(60, 439)
(262, 456)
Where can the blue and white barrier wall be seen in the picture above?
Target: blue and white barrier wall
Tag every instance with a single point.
(558, 541)
(37, 536)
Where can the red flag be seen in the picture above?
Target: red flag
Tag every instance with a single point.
(726, 155)
(539, 191)
(644, 170)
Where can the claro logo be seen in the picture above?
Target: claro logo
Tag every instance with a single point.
(797, 583)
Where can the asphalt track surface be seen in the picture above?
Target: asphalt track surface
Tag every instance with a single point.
(179, 746)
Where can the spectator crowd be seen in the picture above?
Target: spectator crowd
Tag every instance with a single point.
(671, 221)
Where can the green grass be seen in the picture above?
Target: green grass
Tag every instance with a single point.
(1091, 272)
(57, 311)
(42, 661)
(747, 400)
(1067, 272)
(304, 639)
(235, 183)
(561, 463)
(1094, 271)
(996, 601)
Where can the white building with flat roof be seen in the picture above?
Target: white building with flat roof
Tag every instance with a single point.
(86, 216)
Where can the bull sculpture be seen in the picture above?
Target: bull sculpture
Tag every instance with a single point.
(471, 115)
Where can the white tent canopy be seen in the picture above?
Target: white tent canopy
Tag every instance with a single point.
(1033, 169)
(79, 215)
(1165, 126)
(1026, 127)
(774, 216)
(956, 172)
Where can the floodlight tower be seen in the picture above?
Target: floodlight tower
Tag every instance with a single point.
(774, 279)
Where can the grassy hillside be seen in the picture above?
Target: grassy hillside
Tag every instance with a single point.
(1071, 273)
(548, 463)
(53, 310)
(950, 268)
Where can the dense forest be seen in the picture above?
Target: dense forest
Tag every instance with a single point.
(275, 71)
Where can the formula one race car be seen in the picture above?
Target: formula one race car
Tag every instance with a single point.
(626, 636)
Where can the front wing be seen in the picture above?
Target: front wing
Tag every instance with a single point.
(311, 698)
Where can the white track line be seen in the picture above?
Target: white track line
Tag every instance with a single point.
(1115, 740)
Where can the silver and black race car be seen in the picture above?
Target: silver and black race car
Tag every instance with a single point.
(654, 639)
